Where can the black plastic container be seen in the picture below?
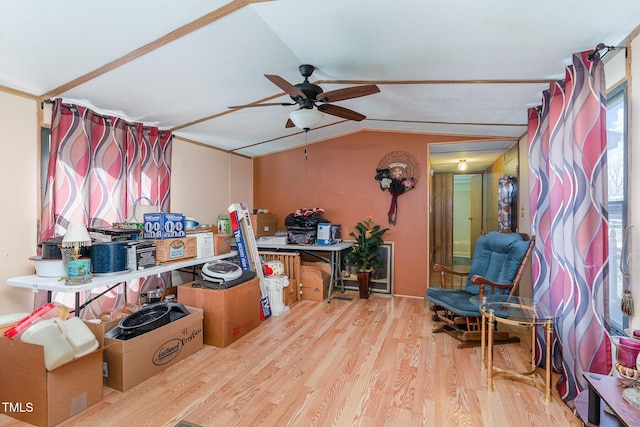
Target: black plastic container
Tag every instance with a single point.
(302, 235)
(108, 257)
(146, 319)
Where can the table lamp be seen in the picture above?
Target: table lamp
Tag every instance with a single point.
(78, 270)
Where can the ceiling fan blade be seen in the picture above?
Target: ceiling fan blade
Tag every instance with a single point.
(345, 113)
(266, 104)
(290, 89)
(348, 93)
(289, 124)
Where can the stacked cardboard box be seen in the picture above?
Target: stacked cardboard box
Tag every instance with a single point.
(263, 224)
(176, 249)
(314, 280)
(164, 225)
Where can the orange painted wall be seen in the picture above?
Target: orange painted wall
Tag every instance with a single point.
(338, 175)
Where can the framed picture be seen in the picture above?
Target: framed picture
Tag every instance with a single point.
(381, 278)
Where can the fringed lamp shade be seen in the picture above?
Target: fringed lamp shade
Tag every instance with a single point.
(75, 237)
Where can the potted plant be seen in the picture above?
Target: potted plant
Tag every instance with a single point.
(364, 253)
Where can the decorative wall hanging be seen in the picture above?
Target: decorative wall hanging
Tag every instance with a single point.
(397, 172)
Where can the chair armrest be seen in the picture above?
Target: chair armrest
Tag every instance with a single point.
(439, 268)
(482, 282)
(442, 269)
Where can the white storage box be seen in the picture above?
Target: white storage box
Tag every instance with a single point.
(324, 234)
(205, 244)
(82, 340)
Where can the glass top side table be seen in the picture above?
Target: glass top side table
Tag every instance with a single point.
(516, 311)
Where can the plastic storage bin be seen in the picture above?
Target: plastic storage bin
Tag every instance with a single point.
(51, 334)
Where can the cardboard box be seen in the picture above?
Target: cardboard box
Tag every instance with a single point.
(204, 244)
(324, 266)
(229, 314)
(222, 243)
(31, 394)
(130, 362)
(164, 225)
(263, 224)
(314, 281)
(290, 293)
(141, 255)
(176, 249)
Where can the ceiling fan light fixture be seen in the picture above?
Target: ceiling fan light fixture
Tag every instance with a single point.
(463, 165)
(306, 118)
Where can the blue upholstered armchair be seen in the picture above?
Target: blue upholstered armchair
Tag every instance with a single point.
(498, 263)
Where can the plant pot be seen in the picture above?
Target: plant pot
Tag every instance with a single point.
(363, 284)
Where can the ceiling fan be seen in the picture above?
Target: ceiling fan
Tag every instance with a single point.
(308, 95)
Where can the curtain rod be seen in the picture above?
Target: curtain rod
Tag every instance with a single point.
(602, 46)
(146, 128)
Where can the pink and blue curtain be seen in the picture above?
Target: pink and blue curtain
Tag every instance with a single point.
(99, 166)
(568, 183)
(507, 196)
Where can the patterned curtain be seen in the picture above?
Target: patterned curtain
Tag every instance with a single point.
(98, 167)
(568, 179)
(507, 197)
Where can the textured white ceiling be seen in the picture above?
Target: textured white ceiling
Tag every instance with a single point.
(459, 67)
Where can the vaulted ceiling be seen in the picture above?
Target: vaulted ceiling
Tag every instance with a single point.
(462, 68)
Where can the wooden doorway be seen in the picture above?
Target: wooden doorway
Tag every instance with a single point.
(441, 222)
(455, 220)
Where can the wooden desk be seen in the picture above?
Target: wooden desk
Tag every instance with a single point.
(605, 388)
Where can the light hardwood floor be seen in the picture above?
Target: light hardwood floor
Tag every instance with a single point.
(368, 362)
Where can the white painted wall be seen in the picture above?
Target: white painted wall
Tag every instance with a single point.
(19, 194)
(204, 181)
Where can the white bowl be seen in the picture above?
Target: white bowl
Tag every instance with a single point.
(49, 267)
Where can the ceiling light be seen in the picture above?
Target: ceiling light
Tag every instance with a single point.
(306, 118)
(462, 165)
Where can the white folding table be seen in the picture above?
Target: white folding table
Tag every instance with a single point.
(49, 284)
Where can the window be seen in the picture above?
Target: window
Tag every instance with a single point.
(618, 173)
(45, 135)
